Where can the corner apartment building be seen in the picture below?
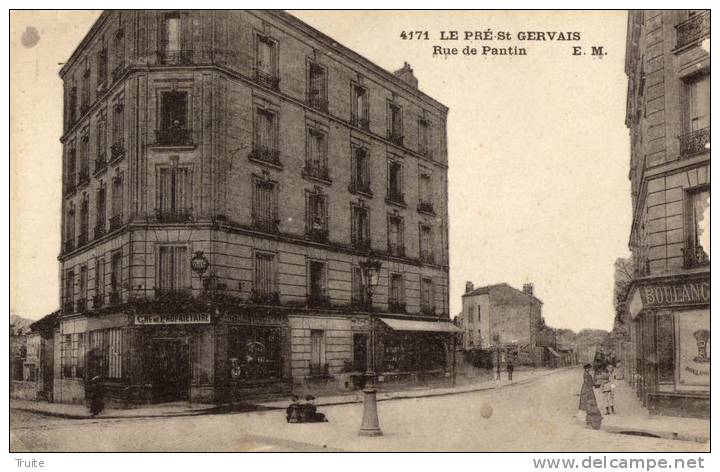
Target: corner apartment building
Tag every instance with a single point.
(501, 316)
(225, 173)
(668, 115)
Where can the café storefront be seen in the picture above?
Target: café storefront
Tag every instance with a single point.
(670, 333)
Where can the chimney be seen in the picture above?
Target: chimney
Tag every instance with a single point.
(406, 75)
(469, 287)
(528, 288)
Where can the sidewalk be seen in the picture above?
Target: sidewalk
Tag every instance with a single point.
(632, 418)
(73, 411)
(519, 378)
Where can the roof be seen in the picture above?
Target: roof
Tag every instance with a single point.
(46, 322)
(488, 288)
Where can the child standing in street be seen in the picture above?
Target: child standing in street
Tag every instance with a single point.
(607, 387)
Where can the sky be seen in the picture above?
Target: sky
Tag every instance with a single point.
(538, 152)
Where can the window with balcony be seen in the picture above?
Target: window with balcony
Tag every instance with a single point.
(266, 62)
(84, 221)
(70, 228)
(117, 150)
(265, 150)
(116, 220)
(173, 120)
(264, 289)
(427, 305)
(396, 242)
(176, 39)
(100, 211)
(174, 202)
(360, 171)
(424, 137)
(265, 209)
(116, 278)
(396, 301)
(102, 68)
(70, 175)
(698, 228)
(173, 271)
(119, 50)
(359, 294)
(85, 90)
(395, 192)
(425, 202)
(84, 159)
(360, 230)
(317, 291)
(101, 142)
(317, 87)
(82, 294)
(316, 155)
(317, 216)
(426, 254)
(394, 123)
(72, 106)
(69, 292)
(694, 29)
(360, 109)
(99, 297)
(697, 136)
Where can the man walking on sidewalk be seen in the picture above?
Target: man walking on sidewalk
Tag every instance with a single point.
(510, 367)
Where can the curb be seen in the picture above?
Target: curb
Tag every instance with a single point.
(653, 433)
(73, 416)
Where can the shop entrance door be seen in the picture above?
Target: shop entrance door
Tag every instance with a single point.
(171, 370)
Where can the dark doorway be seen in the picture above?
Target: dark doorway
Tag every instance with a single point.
(171, 370)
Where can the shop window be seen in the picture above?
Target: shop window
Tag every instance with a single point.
(254, 353)
(173, 195)
(665, 337)
(173, 274)
(698, 228)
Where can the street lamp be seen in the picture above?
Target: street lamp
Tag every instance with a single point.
(370, 273)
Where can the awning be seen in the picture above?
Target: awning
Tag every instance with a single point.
(553, 351)
(428, 326)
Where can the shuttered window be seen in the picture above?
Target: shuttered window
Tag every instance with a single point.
(360, 225)
(102, 135)
(358, 289)
(265, 130)
(100, 278)
(172, 268)
(361, 174)
(266, 56)
(265, 205)
(118, 132)
(264, 274)
(395, 235)
(114, 353)
(173, 184)
(699, 103)
(116, 272)
(426, 294)
(396, 289)
(117, 196)
(316, 213)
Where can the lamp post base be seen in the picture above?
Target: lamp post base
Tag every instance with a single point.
(370, 422)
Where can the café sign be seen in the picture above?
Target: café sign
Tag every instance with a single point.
(668, 295)
(172, 318)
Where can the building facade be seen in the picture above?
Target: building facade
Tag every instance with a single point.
(225, 175)
(668, 115)
(500, 316)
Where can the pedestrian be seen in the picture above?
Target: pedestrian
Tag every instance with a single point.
(309, 413)
(293, 411)
(607, 387)
(588, 403)
(95, 395)
(510, 367)
(497, 367)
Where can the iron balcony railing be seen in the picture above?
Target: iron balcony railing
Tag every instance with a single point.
(363, 123)
(81, 305)
(118, 71)
(68, 306)
(396, 196)
(265, 298)
(99, 230)
(115, 297)
(69, 245)
(317, 170)
(427, 256)
(361, 243)
(267, 225)
(84, 176)
(318, 300)
(82, 238)
(98, 300)
(427, 310)
(265, 154)
(397, 250)
(173, 136)
(117, 150)
(695, 257)
(100, 162)
(173, 215)
(175, 57)
(318, 102)
(395, 137)
(267, 80)
(695, 142)
(693, 29)
(361, 186)
(319, 234)
(116, 222)
(396, 306)
(426, 207)
(319, 370)
(173, 294)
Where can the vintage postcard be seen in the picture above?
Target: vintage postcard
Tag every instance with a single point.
(360, 231)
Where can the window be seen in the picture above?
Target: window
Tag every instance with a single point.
(265, 212)
(266, 62)
(102, 64)
(254, 353)
(176, 39)
(316, 160)
(173, 194)
(395, 127)
(317, 353)
(698, 228)
(69, 291)
(72, 353)
(118, 131)
(699, 103)
(665, 333)
(471, 314)
(317, 87)
(396, 243)
(105, 353)
(100, 211)
(264, 290)
(117, 202)
(265, 145)
(396, 301)
(101, 141)
(360, 114)
(84, 221)
(426, 296)
(317, 294)
(72, 105)
(85, 90)
(99, 299)
(71, 167)
(82, 299)
(395, 182)
(317, 221)
(84, 158)
(173, 119)
(172, 273)
(360, 226)
(114, 350)
(70, 228)
(361, 171)
(119, 49)
(424, 137)
(115, 277)
(425, 203)
(426, 254)
(359, 294)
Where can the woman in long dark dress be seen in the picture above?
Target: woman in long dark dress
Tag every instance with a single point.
(588, 403)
